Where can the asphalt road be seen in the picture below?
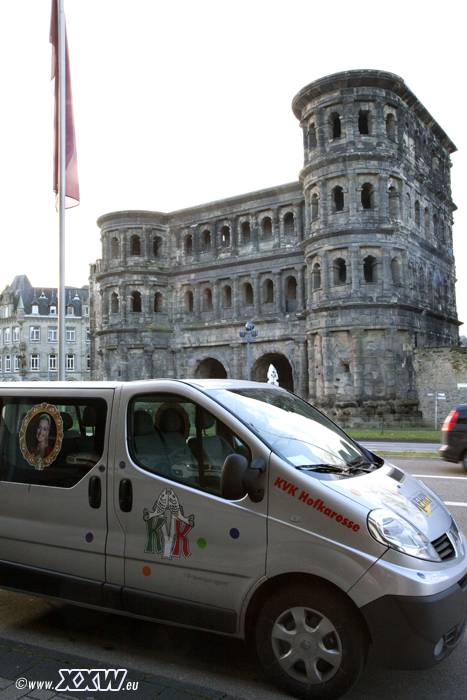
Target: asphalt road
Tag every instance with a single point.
(220, 663)
(381, 446)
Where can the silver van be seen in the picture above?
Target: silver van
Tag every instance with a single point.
(233, 507)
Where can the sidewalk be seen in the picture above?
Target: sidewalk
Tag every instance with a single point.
(25, 671)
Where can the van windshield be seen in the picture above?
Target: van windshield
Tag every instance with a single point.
(290, 426)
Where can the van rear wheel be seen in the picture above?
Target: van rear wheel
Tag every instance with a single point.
(464, 460)
(311, 642)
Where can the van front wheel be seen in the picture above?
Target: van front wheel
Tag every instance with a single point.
(311, 642)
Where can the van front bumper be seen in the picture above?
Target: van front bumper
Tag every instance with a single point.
(417, 632)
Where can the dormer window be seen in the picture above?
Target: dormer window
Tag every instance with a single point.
(53, 309)
(35, 308)
(70, 310)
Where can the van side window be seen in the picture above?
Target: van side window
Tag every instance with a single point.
(176, 438)
(50, 441)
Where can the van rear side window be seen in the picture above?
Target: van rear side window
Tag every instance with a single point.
(49, 442)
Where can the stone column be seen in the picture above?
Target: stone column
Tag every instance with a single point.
(312, 360)
(122, 292)
(326, 350)
(300, 288)
(214, 240)
(354, 266)
(307, 214)
(196, 242)
(256, 293)
(276, 229)
(325, 273)
(124, 245)
(278, 296)
(378, 127)
(236, 372)
(390, 364)
(323, 203)
(383, 198)
(254, 231)
(302, 388)
(146, 244)
(358, 363)
(215, 299)
(234, 236)
(196, 303)
(387, 279)
(352, 195)
(321, 135)
(235, 300)
(298, 209)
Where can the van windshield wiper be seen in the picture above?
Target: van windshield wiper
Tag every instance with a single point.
(345, 469)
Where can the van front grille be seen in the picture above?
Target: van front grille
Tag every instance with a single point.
(444, 547)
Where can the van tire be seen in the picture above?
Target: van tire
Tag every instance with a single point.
(311, 642)
(464, 460)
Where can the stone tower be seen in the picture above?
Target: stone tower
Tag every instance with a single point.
(344, 272)
(378, 235)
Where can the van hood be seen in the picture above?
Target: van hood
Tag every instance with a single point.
(390, 487)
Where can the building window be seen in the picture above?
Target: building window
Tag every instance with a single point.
(364, 123)
(88, 335)
(35, 308)
(266, 226)
(227, 297)
(246, 232)
(225, 237)
(207, 300)
(289, 224)
(6, 336)
(336, 125)
(206, 241)
(268, 292)
(114, 303)
(338, 198)
(53, 335)
(312, 142)
(314, 207)
(393, 203)
(114, 247)
(248, 294)
(189, 245)
(16, 363)
(136, 302)
(15, 335)
(52, 363)
(0, 363)
(369, 269)
(291, 294)
(135, 245)
(396, 271)
(34, 363)
(70, 363)
(367, 196)
(391, 127)
(53, 309)
(70, 310)
(7, 363)
(158, 303)
(88, 363)
(70, 335)
(86, 310)
(189, 302)
(316, 276)
(35, 334)
(340, 271)
(157, 246)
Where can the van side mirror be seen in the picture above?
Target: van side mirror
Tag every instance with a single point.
(232, 477)
(239, 478)
(257, 467)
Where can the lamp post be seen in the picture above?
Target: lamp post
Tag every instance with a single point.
(248, 336)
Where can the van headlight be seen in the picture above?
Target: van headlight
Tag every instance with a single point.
(396, 532)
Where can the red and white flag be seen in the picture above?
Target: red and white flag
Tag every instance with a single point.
(71, 162)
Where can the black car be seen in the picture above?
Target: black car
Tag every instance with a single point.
(454, 436)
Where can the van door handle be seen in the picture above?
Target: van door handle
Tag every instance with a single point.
(125, 495)
(95, 492)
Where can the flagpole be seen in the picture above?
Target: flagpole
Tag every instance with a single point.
(61, 186)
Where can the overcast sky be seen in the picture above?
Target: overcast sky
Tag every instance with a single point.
(181, 103)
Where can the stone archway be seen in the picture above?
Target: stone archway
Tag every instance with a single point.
(259, 371)
(210, 368)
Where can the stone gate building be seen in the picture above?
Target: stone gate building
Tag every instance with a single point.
(344, 272)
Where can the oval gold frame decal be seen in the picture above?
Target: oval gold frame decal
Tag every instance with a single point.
(41, 435)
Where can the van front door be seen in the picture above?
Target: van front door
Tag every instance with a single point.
(190, 555)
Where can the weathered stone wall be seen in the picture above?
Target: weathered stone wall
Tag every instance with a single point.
(344, 272)
(440, 370)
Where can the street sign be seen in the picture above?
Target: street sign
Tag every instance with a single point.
(461, 386)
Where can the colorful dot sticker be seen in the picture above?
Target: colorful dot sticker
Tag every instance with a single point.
(101, 468)
(89, 537)
(421, 575)
(146, 571)
(234, 533)
(122, 465)
(201, 543)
